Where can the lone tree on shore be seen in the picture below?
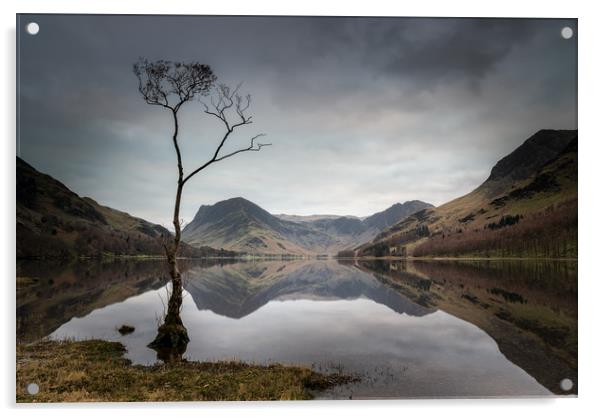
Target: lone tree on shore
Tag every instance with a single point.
(170, 85)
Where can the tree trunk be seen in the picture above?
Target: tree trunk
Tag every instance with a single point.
(175, 301)
(172, 337)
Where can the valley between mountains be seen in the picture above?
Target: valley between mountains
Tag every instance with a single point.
(527, 207)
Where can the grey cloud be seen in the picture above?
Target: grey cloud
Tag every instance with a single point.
(362, 112)
(427, 48)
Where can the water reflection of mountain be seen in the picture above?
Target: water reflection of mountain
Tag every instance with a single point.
(528, 308)
(50, 293)
(238, 290)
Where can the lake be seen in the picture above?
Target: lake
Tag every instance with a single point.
(408, 329)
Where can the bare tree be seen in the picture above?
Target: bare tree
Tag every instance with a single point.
(171, 85)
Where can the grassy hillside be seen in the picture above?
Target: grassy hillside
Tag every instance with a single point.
(526, 208)
(54, 222)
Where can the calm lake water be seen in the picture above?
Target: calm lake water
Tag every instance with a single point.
(408, 329)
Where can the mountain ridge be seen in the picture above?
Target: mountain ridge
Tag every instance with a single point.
(239, 224)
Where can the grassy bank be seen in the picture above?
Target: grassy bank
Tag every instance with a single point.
(96, 370)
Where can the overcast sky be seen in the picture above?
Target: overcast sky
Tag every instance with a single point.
(362, 112)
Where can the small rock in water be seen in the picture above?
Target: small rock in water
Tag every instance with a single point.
(126, 329)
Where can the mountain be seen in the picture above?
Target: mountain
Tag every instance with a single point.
(527, 207)
(310, 218)
(53, 221)
(532, 155)
(240, 225)
(395, 213)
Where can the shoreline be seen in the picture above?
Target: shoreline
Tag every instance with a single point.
(97, 371)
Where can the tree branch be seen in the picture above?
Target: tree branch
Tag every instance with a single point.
(250, 148)
(228, 99)
(253, 147)
(172, 84)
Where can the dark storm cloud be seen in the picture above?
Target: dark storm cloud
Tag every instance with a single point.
(427, 49)
(467, 49)
(363, 112)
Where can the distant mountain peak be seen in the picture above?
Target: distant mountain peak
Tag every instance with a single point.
(395, 213)
(238, 200)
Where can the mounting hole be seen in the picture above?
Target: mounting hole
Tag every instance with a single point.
(33, 389)
(32, 28)
(566, 384)
(566, 32)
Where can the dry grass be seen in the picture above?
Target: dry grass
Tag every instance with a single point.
(96, 370)
(25, 282)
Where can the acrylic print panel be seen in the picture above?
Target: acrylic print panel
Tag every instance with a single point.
(260, 208)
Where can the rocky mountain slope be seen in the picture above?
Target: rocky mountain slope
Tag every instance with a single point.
(240, 225)
(527, 207)
(53, 221)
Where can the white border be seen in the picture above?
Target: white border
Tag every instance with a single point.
(590, 172)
